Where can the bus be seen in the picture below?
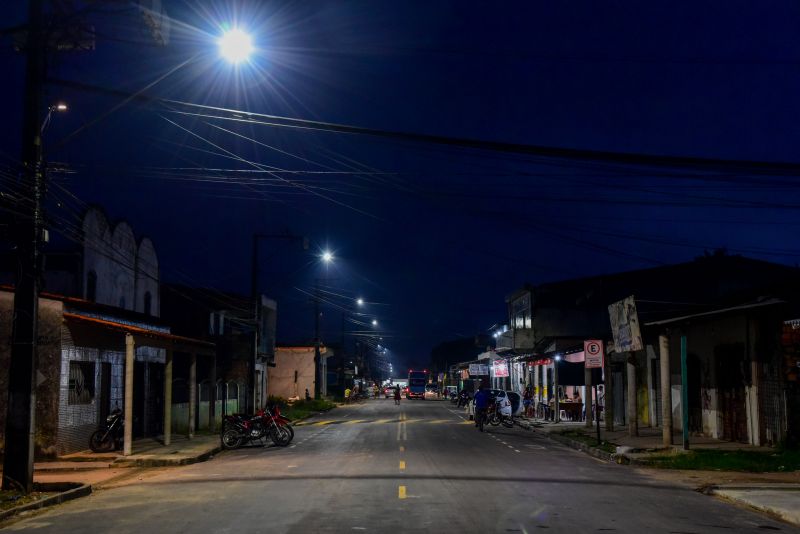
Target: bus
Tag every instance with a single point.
(416, 384)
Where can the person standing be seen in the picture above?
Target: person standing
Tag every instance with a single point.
(397, 395)
(527, 401)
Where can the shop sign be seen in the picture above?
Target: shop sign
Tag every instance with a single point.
(625, 325)
(499, 368)
(478, 369)
(593, 354)
(543, 361)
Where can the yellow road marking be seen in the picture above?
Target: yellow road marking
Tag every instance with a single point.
(401, 492)
(402, 465)
(354, 421)
(321, 423)
(439, 421)
(384, 421)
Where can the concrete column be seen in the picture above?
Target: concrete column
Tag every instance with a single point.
(130, 358)
(212, 398)
(168, 398)
(192, 393)
(666, 391)
(557, 414)
(587, 396)
(608, 389)
(633, 412)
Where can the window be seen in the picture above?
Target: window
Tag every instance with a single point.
(81, 383)
(148, 303)
(521, 312)
(91, 286)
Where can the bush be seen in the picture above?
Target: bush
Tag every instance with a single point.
(280, 401)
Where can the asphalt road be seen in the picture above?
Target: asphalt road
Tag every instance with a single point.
(419, 467)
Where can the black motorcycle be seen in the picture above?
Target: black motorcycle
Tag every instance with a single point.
(110, 434)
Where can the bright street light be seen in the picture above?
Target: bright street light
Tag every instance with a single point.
(360, 302)
(235, 46)
(374, 322)
(327, 256)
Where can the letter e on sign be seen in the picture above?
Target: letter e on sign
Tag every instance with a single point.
(593, 353)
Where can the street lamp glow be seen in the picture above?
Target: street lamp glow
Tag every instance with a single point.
(61, 106)
(327, 256)
(360, 302)
(235, 46)
(374, 322)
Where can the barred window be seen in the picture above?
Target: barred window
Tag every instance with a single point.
(81, 382)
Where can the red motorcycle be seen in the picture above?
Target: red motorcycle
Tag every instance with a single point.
(238, 429)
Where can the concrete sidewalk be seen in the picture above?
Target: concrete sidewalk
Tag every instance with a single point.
(81, 472)
(775, 493)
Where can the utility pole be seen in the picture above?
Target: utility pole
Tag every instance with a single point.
(256, 304)
(21, 407)
(317, 355)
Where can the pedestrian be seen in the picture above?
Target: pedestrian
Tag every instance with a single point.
(527, 400)
(308, 395)
(397, 395)
(481, 400)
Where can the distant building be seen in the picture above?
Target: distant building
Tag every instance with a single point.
(294, 371)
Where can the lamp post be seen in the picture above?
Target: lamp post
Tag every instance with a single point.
(327, 258)
(256, 304)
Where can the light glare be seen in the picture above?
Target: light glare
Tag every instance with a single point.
(235, 46)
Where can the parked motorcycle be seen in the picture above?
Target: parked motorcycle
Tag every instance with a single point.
(238, 429)
(463, 399)
(110, 434)
(499, 412)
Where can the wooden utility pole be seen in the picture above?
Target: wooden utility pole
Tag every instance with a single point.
(21, 407)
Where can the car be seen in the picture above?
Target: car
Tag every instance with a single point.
(388, 392)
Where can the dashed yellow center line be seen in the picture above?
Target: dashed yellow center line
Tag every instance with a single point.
(354, 421)
(401, 492)
(402, 465)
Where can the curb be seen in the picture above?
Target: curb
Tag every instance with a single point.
(68, 495)
(167, 462)
(588, 449)
(766, 509)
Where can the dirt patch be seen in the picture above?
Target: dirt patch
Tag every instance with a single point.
(698, 479)
(12, 499)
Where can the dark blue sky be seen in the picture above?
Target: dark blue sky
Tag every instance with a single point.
(443, 239)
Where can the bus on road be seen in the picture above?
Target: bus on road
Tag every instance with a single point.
(416, 384)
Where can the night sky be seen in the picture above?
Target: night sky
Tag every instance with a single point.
(433, 237)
